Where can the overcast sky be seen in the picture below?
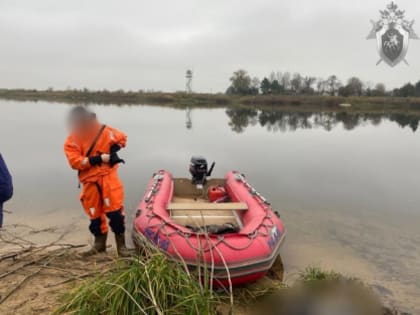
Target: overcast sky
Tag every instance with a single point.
(150, 44)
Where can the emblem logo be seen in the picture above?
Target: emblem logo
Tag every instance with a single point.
(275, 235)
(392, 33)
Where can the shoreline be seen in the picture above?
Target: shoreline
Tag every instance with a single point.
(42, 233)
(315, 103)
(57, 272)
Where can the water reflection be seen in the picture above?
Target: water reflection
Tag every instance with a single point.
(275, 120)
(280, 120)
(240, 119)
(188, 119)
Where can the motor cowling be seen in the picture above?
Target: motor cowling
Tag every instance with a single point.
(199, 169)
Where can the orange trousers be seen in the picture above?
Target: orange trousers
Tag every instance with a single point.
(103, 200)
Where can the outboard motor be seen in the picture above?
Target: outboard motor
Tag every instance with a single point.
(199, 170)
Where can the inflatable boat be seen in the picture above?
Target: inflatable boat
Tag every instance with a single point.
(223, 225)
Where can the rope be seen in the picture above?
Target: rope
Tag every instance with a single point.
(210, 245)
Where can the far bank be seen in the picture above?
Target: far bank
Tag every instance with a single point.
(314, 103)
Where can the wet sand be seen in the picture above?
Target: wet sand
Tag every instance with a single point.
(48, 263)
(300, 250)
(35, 280)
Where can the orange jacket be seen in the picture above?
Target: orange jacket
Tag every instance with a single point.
(76, 147)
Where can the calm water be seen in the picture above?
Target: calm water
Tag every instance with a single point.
(347, 186)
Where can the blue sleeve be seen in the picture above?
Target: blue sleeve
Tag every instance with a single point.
(6, 185)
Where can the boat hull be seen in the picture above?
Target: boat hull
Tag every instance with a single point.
(233, 258)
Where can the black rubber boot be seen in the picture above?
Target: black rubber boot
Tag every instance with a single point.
(121, 248)
(99, 246)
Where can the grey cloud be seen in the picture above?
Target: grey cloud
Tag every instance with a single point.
(150, 44)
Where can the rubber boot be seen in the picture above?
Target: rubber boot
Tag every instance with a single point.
(121, 248)
(99, 246)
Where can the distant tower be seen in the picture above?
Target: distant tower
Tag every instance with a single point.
(189, 77)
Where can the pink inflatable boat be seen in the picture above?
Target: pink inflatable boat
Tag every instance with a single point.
(237, 236)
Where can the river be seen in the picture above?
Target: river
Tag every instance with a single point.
(346, 185)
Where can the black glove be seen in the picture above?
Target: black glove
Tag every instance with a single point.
(114, 148)
(115, 159)
(95, 160)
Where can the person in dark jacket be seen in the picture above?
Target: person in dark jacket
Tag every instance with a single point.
(6, 186)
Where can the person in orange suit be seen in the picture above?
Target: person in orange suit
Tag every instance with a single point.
(91, 149)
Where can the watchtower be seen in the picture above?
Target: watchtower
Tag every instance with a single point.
(189, 77)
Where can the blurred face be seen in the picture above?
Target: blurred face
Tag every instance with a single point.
(80, 124)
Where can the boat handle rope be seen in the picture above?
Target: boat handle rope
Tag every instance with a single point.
(165, 222)
(157, 178)
(241, 178)
(252, 190)
(151, 214)
(161, 227)
(221, 239)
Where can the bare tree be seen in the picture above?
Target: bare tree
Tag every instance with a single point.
(380, 90)
(321, 86)
(355, 86)
(255, 85)
(333, 84)
(307, 84)
(296, 83)
(285, 80)
(279, 76)
(272, 76)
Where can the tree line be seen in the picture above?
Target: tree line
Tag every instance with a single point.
(285, 83)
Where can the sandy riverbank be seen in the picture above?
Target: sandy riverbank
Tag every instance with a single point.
(40, 263)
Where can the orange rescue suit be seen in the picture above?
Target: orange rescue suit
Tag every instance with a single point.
(103, 193)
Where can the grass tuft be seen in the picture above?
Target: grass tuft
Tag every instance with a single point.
(313, 273)
(149, 284)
